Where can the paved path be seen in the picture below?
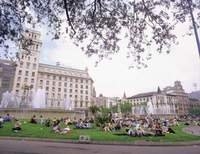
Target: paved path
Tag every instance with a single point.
(33, 147)
(195, 130)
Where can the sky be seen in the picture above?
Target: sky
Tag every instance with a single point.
(113, 77)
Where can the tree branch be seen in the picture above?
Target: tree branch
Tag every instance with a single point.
(67, 14)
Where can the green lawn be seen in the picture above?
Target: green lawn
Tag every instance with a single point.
(38, 131)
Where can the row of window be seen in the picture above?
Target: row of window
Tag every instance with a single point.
(60, 84)
(28, 65)
(61, 78)
(26, 73)
(18, 86)
(58, 104)
(28, 58)
(65, 96)
(65, 90)
(142, 99)
(32, 35)
(25, 79)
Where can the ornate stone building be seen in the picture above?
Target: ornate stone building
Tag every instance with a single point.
(173, 97)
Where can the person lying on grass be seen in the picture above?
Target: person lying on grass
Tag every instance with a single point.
(57, 128)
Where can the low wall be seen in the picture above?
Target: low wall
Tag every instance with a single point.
(158, 116)
(46, 113)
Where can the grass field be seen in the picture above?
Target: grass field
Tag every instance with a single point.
(38, 131)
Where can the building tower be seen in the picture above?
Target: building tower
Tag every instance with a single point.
(27, 68)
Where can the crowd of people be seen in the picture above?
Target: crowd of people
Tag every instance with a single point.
(146, 126)
(8, 118)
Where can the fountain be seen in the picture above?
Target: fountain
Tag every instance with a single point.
(39, 99)
(68, 104)
(154, 109)
(9, 100)
(35, 104)
(138, 110)
(149, 108)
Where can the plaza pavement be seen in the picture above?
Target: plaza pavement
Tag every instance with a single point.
(33, 147)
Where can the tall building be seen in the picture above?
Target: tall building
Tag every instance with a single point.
(60, 84)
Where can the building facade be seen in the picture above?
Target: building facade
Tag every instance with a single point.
(65, 84)
(173, 97)
(60, 84)
(108, 102)
(7, 72)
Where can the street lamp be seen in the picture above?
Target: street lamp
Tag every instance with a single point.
(194, 25)
(25, 97)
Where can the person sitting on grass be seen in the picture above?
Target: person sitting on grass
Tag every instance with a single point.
(41, 120)
(33, 120)
(47, 122)
(65, 130)
(7, 118)
(17, 126)
(108, 127)
(56, 127)
(158, 130)
(130, 132)
(170, 130)
(1, 122)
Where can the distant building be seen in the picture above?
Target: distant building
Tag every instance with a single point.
(108, 102)
(174, 97)
(194, 103)
(195, 94)
(194, 98)
(61, 84)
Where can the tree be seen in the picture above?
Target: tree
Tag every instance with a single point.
(97, 26)
(103, 117)
(126, 107)
(194, 111)
(94, 110)
(114, 108)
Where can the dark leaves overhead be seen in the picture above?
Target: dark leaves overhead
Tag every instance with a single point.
(97, 26)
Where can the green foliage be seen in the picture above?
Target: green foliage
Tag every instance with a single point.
(194, 111)
(103, 117)
(126, 107)
(93, 110)
(114, 109)
(145, 24)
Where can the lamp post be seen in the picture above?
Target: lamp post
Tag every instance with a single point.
(194, 25)
(25, 98)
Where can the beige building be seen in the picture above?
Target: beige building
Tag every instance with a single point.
(60, 84)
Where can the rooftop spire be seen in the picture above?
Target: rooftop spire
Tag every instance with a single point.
(158, 90)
